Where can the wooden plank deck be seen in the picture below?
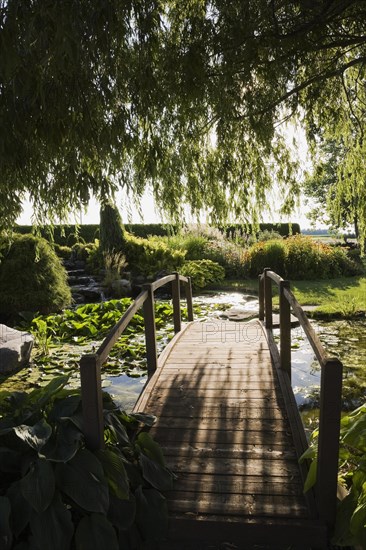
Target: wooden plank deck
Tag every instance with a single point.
(224, 428)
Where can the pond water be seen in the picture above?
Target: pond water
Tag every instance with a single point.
(125, 378)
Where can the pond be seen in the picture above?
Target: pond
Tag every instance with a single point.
(125, 375)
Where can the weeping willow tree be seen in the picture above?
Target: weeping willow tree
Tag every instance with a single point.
(184, 97)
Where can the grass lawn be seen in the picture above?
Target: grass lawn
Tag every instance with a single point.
(343, 297)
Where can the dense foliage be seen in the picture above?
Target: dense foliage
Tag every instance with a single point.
(203, 272)
(32, 277)
(300, 257)
(184, 97)
(351, 516)
(54, 493)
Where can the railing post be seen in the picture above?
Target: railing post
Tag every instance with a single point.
(188, 288)
(328, 441)
(285, 329)
(176, 303)
(92, 402)
(261, 296)
(268, 298)
(150, 330)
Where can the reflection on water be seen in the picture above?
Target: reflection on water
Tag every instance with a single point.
(343, 339)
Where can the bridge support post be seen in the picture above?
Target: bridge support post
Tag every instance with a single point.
(328, 442)
(261, 296)
(285, 329)
(268, 298)
(189, 299)
(150, 331)
(92, 402)
(176, 303)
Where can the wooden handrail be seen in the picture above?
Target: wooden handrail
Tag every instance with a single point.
(330, 387)
(91, 364)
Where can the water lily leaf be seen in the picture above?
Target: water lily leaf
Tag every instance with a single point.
(35, 436)
(82, 479)
(152, 513)
(151, 448)
(21, 506)
(6, 536)
(157, 475)
(114, 472)
(52, 528)
(38, 486)
(95, 532)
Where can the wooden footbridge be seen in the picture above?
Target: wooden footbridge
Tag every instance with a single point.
(229, 426)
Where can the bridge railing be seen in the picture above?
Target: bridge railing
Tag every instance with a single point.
(91, 364)
(330, 386)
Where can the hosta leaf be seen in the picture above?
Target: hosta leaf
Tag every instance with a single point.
(38, 486)
(64, 408)
(5, 531)
(21, 508)
(35, 436)
(114, 472)
(9, 460)
(158, 476)
(311, 477)
(42, 395)
(117, 428)
(152, 513)
(82, 479)
(147, 419)
(95, 532)
(64, 445)
(122, 513)
(150, 448)
(53, 528)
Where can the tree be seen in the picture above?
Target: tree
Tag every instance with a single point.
(186, 97)
(323, 185)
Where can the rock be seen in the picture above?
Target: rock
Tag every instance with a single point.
(121, 287)
(15, 349)
(238, 314)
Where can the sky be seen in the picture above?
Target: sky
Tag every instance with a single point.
(150, 214)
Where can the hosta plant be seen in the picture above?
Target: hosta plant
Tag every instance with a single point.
(55, 493)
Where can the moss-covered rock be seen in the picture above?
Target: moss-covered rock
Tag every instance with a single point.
(32, 277)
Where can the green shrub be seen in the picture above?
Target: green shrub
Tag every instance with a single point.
(63, 252)
(203, 272)
(266, 254)
(304, 258)
(300, 257)
(57, 494)
(82, 251)
(148, 257)
(229, 255)
(32, 277)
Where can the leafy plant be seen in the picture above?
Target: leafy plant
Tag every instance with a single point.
(55, 493)
(351, 515)
(203, 272)
(148, 257)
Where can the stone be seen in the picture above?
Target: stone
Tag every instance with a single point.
(15, 349)
(238, 314)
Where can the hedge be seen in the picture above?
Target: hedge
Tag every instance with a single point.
(284, 229)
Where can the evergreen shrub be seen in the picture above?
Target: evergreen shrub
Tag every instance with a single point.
(32, 277)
